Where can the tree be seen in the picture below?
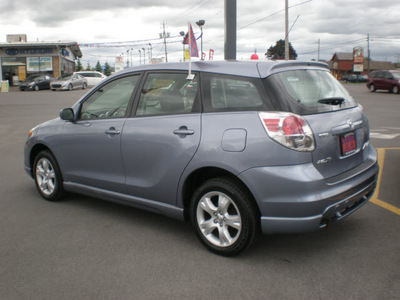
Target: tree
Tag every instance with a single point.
(79, 66)
(88, 67)
(98, 67)
(107, 69)
(278, 51)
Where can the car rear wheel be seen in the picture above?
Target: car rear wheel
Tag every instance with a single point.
(372, 88)
(224, 217)
(47, 176)
(395, 89)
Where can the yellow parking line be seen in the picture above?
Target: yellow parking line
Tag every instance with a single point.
(374, 199)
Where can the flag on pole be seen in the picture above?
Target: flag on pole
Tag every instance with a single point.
(194, 52)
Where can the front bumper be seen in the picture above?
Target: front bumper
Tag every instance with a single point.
(297, 198)
(26, 88)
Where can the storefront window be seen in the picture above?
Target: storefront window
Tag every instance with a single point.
(13, 69)
(68, 67)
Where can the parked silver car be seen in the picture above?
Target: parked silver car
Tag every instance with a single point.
(68, 82)
(244, 147)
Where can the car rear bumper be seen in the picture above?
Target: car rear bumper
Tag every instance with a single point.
(297, 198)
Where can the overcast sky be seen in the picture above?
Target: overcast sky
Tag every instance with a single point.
(339, 25)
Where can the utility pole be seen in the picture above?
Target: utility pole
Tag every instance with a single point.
(230, 29)
(318, 48)
(369, 54)
(164, 35)
(287, 57)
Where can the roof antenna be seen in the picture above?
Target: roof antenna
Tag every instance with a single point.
(190, 75)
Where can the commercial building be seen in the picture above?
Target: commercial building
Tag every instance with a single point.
(19, 58)
(342, 64)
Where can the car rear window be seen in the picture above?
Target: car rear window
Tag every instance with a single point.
(308, 92)
(396, 75)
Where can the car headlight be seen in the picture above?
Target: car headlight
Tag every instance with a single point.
(32, 84)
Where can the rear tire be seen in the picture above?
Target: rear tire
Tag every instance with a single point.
(47, 176)
(224, 216)
(395, 89)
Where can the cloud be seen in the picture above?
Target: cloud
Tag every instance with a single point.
(339, 25)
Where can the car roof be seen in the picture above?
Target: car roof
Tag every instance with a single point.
(78, 72)
(255, 69)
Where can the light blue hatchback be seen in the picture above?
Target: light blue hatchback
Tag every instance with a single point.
(241, 148)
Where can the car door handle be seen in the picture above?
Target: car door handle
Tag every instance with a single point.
(183, 131)
(112, 131)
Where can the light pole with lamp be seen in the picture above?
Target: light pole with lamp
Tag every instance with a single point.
(140, 57)
(150, 53)
(182, 33)
(127, 57)
(131, 57)
(144, 56)
(201, 23)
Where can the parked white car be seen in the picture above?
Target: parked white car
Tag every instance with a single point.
(93, 77)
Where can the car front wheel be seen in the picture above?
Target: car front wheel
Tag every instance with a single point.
(47, 176)
(70, 87)
(84, 85)
(372, 88)
(224, 217)
(36, 88)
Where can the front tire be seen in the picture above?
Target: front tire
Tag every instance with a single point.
(47, 176)
(70, 87)
(224, 217)
(84, 86)
(372, 88)
(36, 88)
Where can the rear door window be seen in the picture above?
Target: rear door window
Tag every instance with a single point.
(233, 93)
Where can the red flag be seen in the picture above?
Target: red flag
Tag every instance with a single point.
(194, 52)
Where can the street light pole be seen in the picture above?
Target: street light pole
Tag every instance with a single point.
(201, 23)
(140, 57)
(182, 33)
(150, 54)
(127, 57)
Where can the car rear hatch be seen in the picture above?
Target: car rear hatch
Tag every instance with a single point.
(339, 126)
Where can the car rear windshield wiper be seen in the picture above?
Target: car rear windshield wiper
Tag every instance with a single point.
(332, 101)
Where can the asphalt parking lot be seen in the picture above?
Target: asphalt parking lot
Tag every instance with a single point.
(84, 248)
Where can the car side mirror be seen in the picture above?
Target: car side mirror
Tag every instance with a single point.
(67, 114)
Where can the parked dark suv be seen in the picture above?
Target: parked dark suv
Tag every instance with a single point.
(384, 80)
(236, 148)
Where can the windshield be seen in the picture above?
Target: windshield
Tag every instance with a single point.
(64, 77)
(310, 91)
(32, 77)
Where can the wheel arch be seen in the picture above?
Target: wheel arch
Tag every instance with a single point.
(35, 151)
(199, 176)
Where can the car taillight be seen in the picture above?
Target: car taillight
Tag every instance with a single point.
(289, 130)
